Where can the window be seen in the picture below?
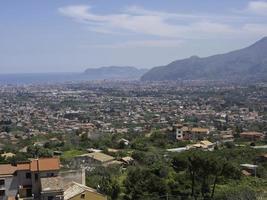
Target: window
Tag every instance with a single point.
(82, 196)
(2, 193)
(28, 175)
(2, 182)
(50, 198)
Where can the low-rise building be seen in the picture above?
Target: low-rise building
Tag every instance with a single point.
(41, 179)
(24, 180)
(252, 136)
(188, 133)
(81, 192)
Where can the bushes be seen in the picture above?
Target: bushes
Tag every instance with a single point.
(237, 193)
(142, 183)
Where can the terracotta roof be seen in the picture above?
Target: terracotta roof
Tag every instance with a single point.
(251, 134)
(45, 164)
(41, 164)
(23, 166)
(7, 169)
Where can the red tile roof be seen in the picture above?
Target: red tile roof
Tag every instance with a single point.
(41, 164)
(45, 164)
(7, 169)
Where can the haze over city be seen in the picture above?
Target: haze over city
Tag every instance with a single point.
(71, 36)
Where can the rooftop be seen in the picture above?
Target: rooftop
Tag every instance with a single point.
(76, 189)
(99, 156)
(51, 184)
(41, 164)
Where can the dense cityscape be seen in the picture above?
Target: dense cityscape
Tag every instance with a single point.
(116, 133)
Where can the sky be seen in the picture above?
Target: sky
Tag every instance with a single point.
(72, 35)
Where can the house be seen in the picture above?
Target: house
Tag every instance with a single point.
(100, 158)
(91, 160)
(77, 191)
(182, 133)
(199, 133)
(188, 133)
(204, 145)
(252, 136)
(27, 180)
(40, 179)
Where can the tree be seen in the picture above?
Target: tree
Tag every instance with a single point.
(205, 169)
(109, 187)
(180, 162)
(36, 151)
(141, 183)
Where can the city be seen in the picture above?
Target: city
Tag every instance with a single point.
(109, 129)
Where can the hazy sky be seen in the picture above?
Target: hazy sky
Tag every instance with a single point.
(71, 35)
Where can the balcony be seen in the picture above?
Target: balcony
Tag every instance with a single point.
(25, 192)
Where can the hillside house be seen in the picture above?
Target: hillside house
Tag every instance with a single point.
(28, 180)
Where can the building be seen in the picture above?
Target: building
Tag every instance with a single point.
(182, 133)
(91, 160)
(41, 179)
(28, 180)
(188, 133)
(252, 136)
(81, 192)
(199, 133)
(204, 145)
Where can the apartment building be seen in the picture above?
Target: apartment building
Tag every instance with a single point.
(35, 179)
(188, 133)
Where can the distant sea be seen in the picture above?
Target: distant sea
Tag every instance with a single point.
(41, 78)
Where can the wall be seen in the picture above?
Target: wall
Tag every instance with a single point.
(11, 186)
(77, 176)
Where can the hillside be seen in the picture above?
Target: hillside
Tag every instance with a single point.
(244, 64)
(114, 73)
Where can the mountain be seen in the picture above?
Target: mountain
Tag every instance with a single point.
(114, 73)
(245, 64)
